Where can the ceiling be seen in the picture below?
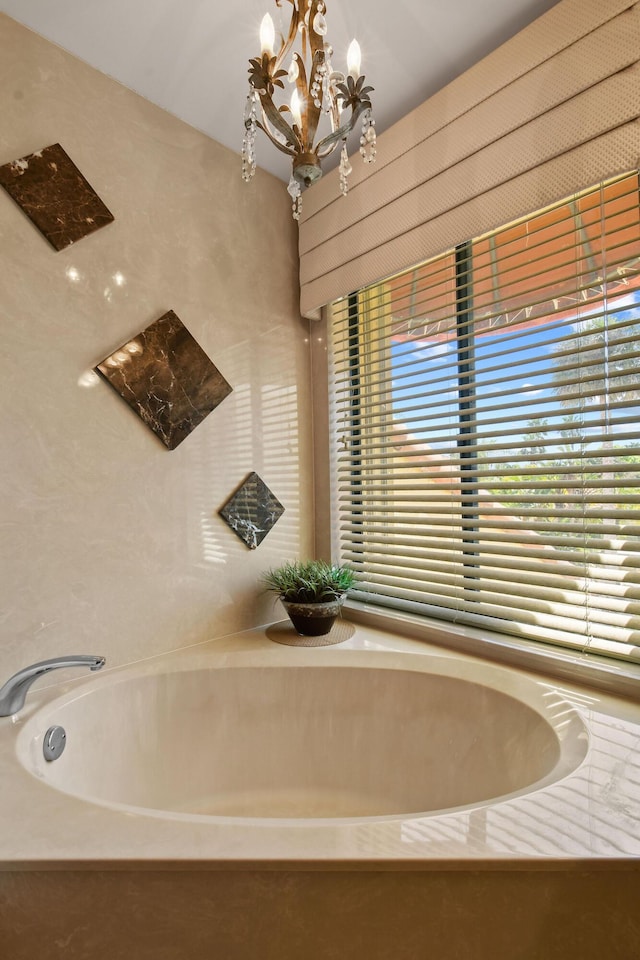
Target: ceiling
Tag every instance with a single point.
(191, 56)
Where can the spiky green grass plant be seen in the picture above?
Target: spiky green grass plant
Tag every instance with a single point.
(309, 581)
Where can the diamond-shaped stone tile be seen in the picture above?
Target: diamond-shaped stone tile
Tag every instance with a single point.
(55, 196)
(167, 378)
(252, 511)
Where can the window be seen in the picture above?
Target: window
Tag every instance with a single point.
(487, 416)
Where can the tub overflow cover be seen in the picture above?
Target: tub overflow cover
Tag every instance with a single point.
(55, 740)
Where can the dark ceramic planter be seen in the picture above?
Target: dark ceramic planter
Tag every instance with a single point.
(313, 619)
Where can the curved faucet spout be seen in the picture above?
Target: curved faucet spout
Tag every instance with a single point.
(13, 693)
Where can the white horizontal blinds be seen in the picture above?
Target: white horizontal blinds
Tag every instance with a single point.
(488, 413)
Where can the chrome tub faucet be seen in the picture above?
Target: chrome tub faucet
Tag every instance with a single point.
(13, 693)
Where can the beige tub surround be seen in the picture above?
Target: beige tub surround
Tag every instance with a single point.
(378, 751)
(502, 914)
(223, 858)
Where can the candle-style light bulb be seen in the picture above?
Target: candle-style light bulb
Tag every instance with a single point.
(295, 109)
(267, 34)
(353, 59)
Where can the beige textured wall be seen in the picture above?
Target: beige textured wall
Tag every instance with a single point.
(111, 544)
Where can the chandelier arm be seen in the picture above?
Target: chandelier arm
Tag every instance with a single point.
(302, 88)
(308, 113)
(318, 57)
(341, 132)
(313, 111)
(290, 152)
(334, 111)
(306, 18)
(275, 118)
(293, 32)
(315, 39)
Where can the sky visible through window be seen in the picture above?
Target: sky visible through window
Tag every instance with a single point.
(531, 378)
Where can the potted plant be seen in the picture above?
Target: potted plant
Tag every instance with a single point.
(312, 592)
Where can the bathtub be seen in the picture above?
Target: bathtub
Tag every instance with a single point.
(324, 740)
(375, 798)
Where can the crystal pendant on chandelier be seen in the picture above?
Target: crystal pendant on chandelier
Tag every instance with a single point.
(323, 107)
(320, 24)
(248, 144)
(368, 138)
(295, 193)
(345, 170)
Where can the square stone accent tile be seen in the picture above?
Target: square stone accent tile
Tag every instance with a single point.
(55, 196)
(252, 511)
(167, 378)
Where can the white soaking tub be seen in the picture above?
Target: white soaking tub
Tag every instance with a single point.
(377, 798)
(327, 739)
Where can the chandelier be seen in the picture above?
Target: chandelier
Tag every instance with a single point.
(324, 105)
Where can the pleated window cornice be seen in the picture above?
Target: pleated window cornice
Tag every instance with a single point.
(487, 414)
(547, 114)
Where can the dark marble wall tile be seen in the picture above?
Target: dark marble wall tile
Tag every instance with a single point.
(252, 511)
(167, 378)
(50, 189)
